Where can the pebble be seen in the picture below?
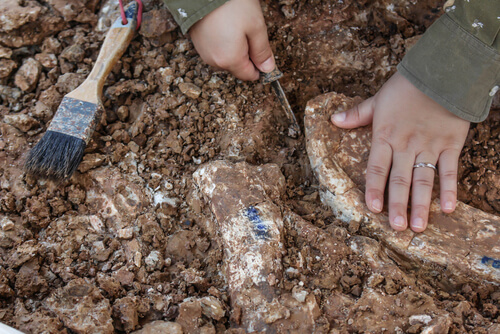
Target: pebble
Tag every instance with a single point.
(153, 260)
(160, 327)
(420, 319)
(73, 53)
(299, 294)
(22, 122)
(126, 233)
(6, 67)
(27, 76)
(212, 308)
(48, 60)
(6, 224)
(5, 52)
(122, 113)
(190, 90)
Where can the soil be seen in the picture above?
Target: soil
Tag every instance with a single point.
(130, 243)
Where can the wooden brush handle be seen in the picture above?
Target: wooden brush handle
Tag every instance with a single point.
(116, 42)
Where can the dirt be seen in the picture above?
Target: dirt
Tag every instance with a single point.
(131, 243)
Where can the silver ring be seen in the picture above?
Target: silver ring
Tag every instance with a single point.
(425, 164)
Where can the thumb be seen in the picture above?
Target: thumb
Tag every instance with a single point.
(360, 115)
(260, 51)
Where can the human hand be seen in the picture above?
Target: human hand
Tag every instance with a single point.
(408, 127)
(234, 37)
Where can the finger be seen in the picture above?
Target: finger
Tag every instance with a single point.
(448, 170)
(379, 164)
(399, 189)
(360, 115)
(259, 49)
(421, 193)
(244, 69)
(235, 60)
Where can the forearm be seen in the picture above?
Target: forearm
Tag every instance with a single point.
(188, 12)
(457, 61)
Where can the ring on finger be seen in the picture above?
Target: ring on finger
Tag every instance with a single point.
(425, 164)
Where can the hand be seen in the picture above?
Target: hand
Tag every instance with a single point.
(234, 37)
(408, 127)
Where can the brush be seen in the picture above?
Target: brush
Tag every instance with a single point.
(59, 152)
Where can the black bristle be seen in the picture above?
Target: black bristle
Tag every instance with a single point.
(55, 157)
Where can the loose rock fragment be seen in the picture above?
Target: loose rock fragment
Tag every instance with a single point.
(160, 327)
(190, 90)
(48, 60)
(6, 67)
(82, 308)
(5, 52)
(212, 307)
(27, 76)
(156, 23)
(22, 122)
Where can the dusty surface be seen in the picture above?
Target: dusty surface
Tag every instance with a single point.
(131, 243)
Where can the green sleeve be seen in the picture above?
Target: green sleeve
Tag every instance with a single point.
(188, 12)
(457, 61)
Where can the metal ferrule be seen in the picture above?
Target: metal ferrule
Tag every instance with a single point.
(76, 118)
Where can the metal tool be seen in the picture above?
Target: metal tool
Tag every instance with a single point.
(272, 78)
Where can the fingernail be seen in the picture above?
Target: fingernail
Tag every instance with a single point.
(267, 65)
(377, 205)
(339, 117)
(448, 205)
(418, 223)
(399, 221)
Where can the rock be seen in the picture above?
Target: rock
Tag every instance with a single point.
(299, 294)
(27, 76)
(26, 23)
(75, 10)
(23, 253)
(110, 285)
(157, 22)
(154, 261)
(6, 224)
(212, 308)
(51, 45)
(39, 321)
(460, 246)
(91, 161)
(160, 327)
(48, 60)
(190, 90)
(29, 281)
(125, 277)
(420, 319)
(22, 122)
(122, 113)
(118, 208)
(376, 310)
(14, 15)
(125, 313)
(126, 233)
(82, 308)
(189, 316)
(5, 52)
(69, 81)
(6, 67)
(73, 53)
(494, 329)
(9, 94)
